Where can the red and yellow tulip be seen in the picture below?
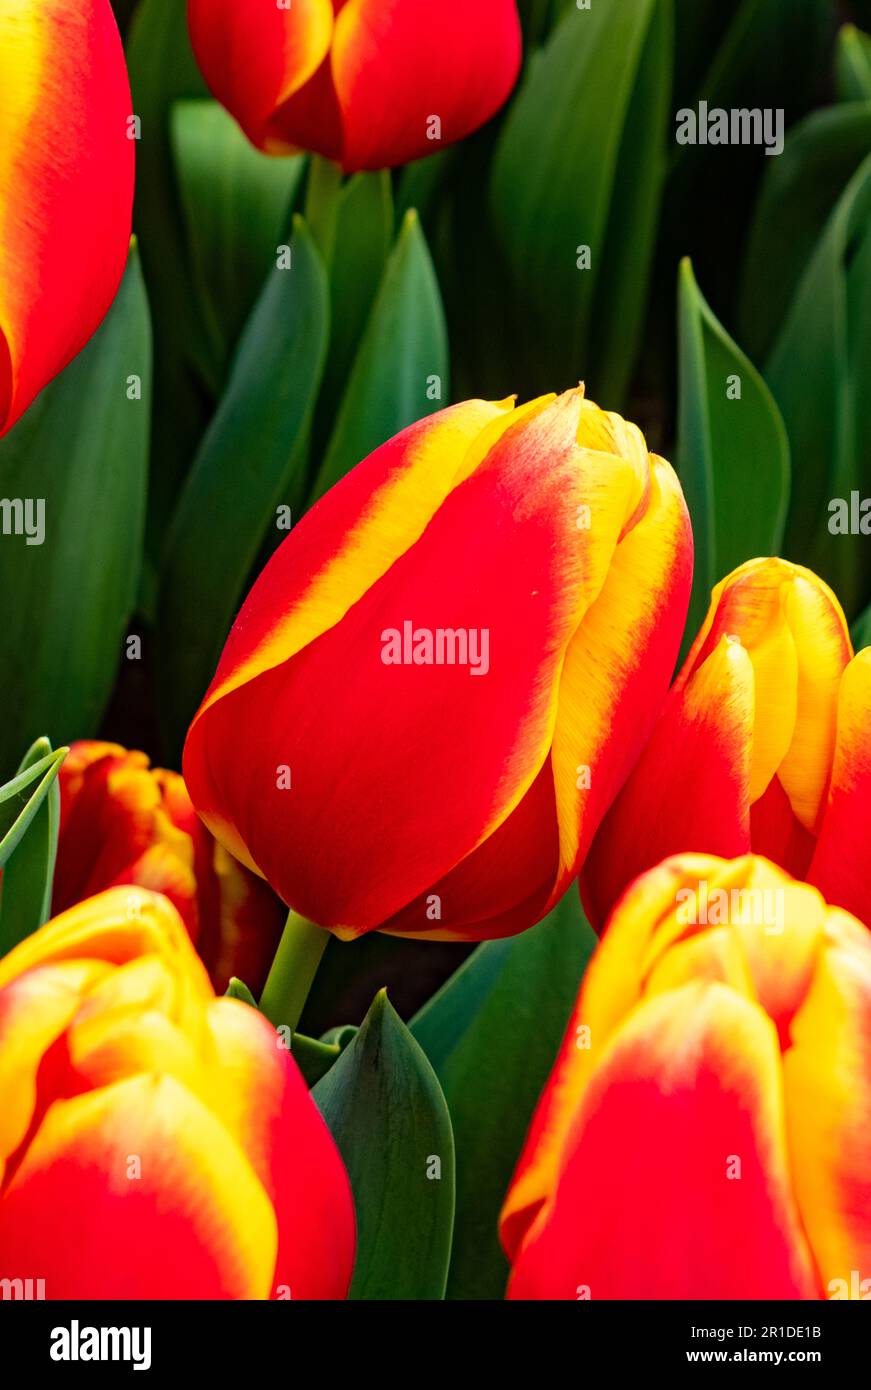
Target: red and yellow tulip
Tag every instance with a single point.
(155, 1142)
(706, 1131)
(66, 186)
(367, 83)
(123, 821)
(741, 756)
(442, 678)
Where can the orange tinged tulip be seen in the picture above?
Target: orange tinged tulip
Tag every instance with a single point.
(442, 678)
(706, 1131)
(839, 867)
(155, 1142)
(368, 83)
(741, 756)
(66, 186)
(123, 821)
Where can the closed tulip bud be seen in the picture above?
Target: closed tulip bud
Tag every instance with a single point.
(741, 756)
(66, 186)
(123, 821)
(706, 1131)
(443, 676)
(155, 1142)
(367, 83)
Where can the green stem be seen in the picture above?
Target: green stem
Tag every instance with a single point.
(293, 970)
(322, 203)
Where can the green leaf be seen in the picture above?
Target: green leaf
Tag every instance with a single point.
(237, 989)
(252, 460)
(580, 163)
(818, 372)
(402, 350)
(82, 450)
(163, 70)
(492, 1033)
(29, 848)
(363, 236)
(733, 454)
(799, 193)
(388, 1116)
(853, 64)
(861, 631)
(313, 1058)
(237, 203)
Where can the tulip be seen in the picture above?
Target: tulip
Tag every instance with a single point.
(123, 821)
(839, 867)
(706, 1130)
(367, 83)
(66, 186)
(444, 674)
(155, 1142)
(741, 756)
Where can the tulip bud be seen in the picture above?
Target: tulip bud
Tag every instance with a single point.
(741, 755)
(66, 186)
(367, 84)
(443, 676)
(156, 1142)
(123, 821)
(839, 867)
(705, 1131)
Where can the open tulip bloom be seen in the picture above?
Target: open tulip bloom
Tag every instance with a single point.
(713, 1093)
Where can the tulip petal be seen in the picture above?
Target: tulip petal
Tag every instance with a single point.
(696, 1071)
(254, 56)
(263, 1100)
(394, 72)
(34, 1011)
(194, 1223)
(690, 788)
(620, 660)
(827, 1079)
(840, 864)
(66, 186)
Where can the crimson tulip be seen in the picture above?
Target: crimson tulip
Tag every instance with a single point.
(367, 83)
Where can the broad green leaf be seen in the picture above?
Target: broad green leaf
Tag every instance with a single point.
(400, 372)
(492, 1033)
(28, 852)
(81, 451)
(363, 235)
(733, 453)
(580, 163)
(163, 70)
(853, 64)
(237, 203)
(313, 1058)
(800, 191)
(818, 372)
(387, 1114)
(252, 460)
